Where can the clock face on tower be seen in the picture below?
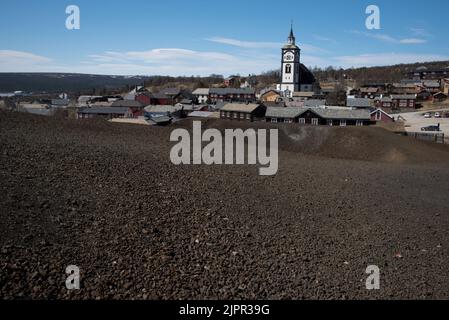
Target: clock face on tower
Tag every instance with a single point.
(289, 56)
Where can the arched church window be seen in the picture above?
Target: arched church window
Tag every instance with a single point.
(288, 68)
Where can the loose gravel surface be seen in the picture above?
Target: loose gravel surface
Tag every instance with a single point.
(105, 197)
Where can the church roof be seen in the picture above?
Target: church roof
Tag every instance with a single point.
(290, 46)
(291, 40)
(305, 75)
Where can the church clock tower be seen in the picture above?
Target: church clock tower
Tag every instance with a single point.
(290, 81)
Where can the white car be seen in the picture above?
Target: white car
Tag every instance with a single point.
(427, 115)
(437, 115)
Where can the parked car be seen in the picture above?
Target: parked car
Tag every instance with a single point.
(437, 115)
(431, 128)
(427, 115)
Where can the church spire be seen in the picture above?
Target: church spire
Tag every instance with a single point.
(291, 37)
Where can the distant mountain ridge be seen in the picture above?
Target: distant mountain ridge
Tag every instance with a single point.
(90, 83)
(63, 82)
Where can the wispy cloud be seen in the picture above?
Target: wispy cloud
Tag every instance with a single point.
(178, 61)
(244, 44)
(324, 39)
(412, 41)
(161, 55)
(21, 57)
(263, 45)
(388, 38)
(421, 32)
(385, 59)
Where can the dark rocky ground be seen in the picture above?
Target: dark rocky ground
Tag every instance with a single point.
(106, 198)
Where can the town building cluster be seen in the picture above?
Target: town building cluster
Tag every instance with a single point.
(298, 98)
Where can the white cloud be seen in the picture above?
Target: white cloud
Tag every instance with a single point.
(11, 60)
(421, 32)
(245, 44)
(325, 39)
(413, 41)
(388, 38)
(163, 61)
(263, 45)
(384, 59)
(177, 61)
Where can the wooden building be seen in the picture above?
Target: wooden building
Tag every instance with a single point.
(445, 85)
(380, 115)
(404, 101)
(439, 97)
(232, 95)
(103, 112)
(384, 103)
(135, 107)
(270, 96)
(201, 95)
(335, 116)
(243, 112)
(359, 103)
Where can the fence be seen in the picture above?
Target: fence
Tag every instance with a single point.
(436, 137)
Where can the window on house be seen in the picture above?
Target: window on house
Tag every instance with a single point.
(329, 122)
(302, 120)
(359, 123)
(315, 121)
(342, 123)
(288, 68)
(274, 120)
(248, 117)
(288, 121)
(236, 115)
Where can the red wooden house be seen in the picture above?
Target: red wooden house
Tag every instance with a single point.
(380, 115)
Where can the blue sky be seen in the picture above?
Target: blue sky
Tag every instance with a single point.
(198, 37)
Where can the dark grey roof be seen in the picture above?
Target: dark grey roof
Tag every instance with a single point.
(403, 96)
(161, 119)
(162, 109)
(359, 102)
(224, 91)
(431, 83)
(104, 110)
(314, 103)
(289, 112)
(386, 99)
(171, 91)
(219, 105)
(159, 95)
(126, 103)
(305, 75)
(280, 104)
(60, 102)
(343, 114)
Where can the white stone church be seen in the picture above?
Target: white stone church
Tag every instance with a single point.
(294, 75)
